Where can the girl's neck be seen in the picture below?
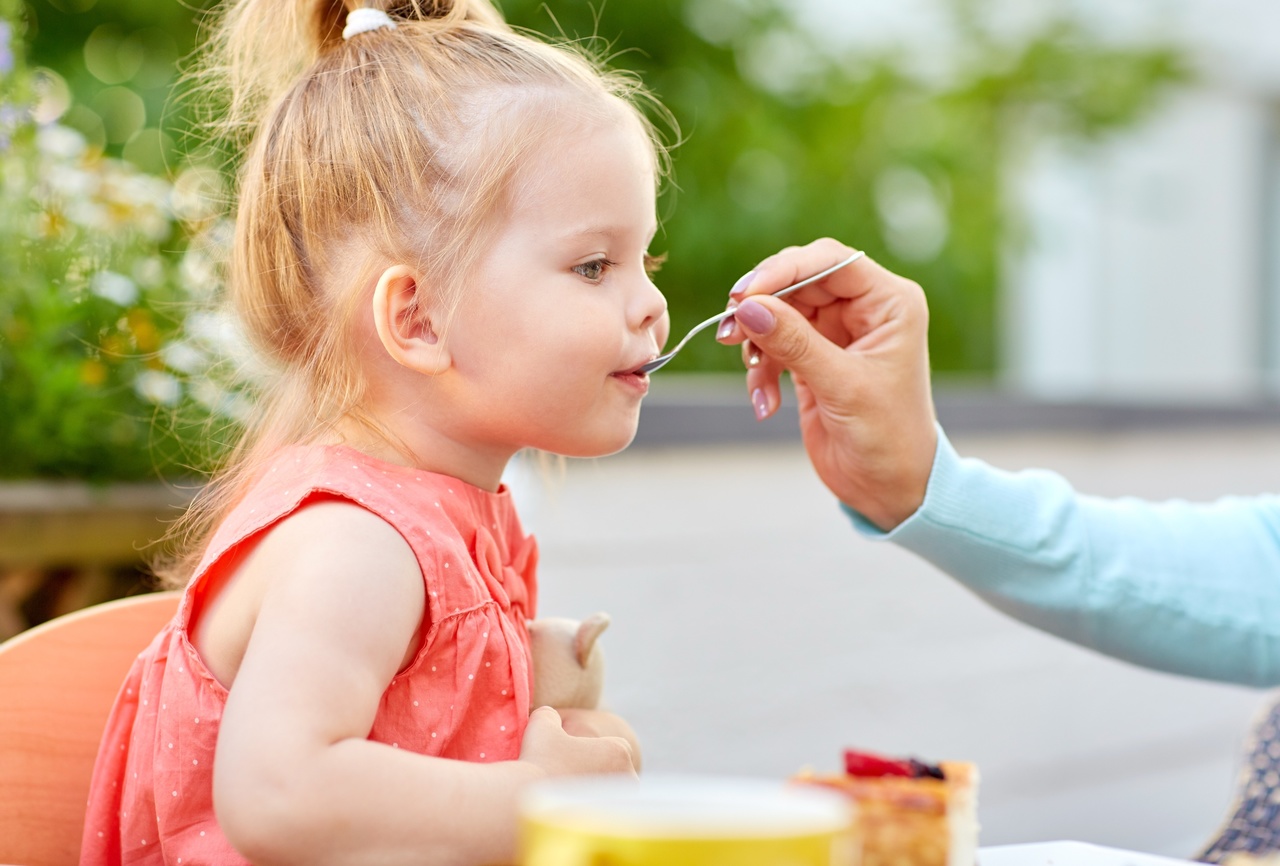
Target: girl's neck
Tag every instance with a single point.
(424, 449)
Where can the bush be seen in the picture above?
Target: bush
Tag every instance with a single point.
(104, 268)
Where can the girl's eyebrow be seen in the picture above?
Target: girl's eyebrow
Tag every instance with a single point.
(608, 231)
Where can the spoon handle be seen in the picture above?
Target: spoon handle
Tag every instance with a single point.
(661, 360)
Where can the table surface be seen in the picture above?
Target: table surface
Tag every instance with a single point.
(1067, 853)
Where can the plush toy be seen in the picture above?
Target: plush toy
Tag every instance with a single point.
(568, 667)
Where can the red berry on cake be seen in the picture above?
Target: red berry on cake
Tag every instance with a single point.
(908, 812)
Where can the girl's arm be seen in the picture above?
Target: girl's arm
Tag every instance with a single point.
(1192, 589)
(295, 780)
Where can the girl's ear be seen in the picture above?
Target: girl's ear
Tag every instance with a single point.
(402, 313)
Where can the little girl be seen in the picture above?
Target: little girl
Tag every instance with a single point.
(441, 251)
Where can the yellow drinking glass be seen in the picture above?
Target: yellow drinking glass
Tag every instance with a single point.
(684, 821)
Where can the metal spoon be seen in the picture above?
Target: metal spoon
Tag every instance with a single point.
(663, 360)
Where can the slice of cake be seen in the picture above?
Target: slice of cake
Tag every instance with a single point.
(910, 813)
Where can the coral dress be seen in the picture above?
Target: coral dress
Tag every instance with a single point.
(465, 695)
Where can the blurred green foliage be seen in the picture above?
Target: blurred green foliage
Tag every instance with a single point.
(783, 138)
(120, 59)
(101, 339)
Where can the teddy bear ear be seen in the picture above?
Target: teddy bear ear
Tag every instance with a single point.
(588, 631)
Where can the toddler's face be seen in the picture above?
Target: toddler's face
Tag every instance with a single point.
(561, 309)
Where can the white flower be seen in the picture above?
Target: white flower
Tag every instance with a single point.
(199, 272)
(198, 194)
(220, 335)
(100, 194)
(149, 271)
(60, 141)
(68, 181)
(215, 329)
(114, 287)
(183, 357)
(88, 214)
(157, 387)
(220, 401)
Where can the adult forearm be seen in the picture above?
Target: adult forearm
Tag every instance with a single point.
(1188, 588)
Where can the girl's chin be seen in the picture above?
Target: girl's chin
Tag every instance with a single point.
(601, 446)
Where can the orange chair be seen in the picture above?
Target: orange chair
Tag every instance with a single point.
(57, 684)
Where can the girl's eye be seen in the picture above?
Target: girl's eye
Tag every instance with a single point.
(592, 270)
(653, 264)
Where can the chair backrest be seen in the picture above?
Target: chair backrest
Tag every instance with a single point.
(57, 684)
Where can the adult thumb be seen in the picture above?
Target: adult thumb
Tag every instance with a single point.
(781, 332)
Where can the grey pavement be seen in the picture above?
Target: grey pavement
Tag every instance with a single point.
(754, 633)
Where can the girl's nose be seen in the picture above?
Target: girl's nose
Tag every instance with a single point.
(649, 306)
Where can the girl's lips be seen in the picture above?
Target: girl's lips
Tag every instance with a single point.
(632, 379)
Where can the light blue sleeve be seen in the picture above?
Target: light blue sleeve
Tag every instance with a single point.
(1188, 588)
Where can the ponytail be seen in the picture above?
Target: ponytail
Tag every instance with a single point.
(257, 49)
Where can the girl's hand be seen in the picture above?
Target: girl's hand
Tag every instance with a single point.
(857, 347)
(548, 746)
(599, 723)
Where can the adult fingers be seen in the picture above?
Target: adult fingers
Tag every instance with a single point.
(731, 335)
(764, 376)
(794, 264)
(787, 339)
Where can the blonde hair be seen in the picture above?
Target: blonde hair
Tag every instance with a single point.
(400, 142)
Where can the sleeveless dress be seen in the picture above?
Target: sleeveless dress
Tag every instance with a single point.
(465, 694)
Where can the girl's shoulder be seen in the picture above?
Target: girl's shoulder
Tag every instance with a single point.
(428, 509)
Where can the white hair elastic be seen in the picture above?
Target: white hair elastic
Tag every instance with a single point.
(364, 19)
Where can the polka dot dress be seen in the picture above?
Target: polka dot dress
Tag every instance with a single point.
(1253, 826)
(465, 695)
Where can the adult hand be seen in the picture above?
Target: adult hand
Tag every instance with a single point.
(856, 344)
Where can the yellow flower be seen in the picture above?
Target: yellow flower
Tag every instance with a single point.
(145, 335)
(53, 224)
(114, 347)
(93, 372)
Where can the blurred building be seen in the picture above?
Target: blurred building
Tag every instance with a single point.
(1145, 267)
(1149, 267)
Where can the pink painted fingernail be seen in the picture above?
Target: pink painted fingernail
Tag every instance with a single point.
(755, 317)
(740, 287)
(726, 328)
(761, 404)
